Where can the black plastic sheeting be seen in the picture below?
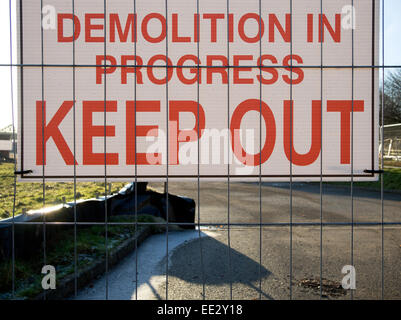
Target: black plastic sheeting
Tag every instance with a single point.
(28, 238)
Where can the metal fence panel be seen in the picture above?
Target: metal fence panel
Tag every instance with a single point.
(230, 224)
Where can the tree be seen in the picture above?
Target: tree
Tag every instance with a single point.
(392, 98)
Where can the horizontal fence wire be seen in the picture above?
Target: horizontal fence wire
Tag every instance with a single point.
(216, 224)
(316, 66)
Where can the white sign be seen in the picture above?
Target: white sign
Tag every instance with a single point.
(243, 86)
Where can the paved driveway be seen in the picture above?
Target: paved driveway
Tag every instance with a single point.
(256, 262)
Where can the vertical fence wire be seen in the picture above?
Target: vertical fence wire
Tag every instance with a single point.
(43, 136)
(136, 162)
(74, 150)
(382, 157)
(105, 154)
(167, 151)
(321, 156)
(198, 146)
(260, 151)
(106, 191)
(228, 153)
(291, 142)
(14, 151)
(352, 139)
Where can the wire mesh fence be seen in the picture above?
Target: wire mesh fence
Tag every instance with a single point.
(253, 240)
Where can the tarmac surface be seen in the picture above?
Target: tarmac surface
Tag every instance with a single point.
(247, 261)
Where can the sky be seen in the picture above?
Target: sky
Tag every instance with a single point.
(392, 29)
(392, 50)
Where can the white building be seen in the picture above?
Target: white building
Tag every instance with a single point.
(7, 146)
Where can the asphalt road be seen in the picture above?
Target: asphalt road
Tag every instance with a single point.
(249, 262)
(244, 203)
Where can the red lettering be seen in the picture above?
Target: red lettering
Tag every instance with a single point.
(314, 151)
(149, 70)
(145, 23)
(176, 37)
(141, 131)
(239, 112)
(51, 130)
(176, 107)
(310, 27)
(213, 24)
(136, 70)
(129, 26)
(90, 131)
(272, 71)
(180, 71)
(274, 22)
(336, 35)
(241, 27)
(60, 30)
(89, 27)
(196, 27)
(222, 71)
(102, 71)
(298, 71)
(345, 107)
(236, 71)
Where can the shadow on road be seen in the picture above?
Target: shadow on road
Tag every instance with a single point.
(217, 267)
(221, 265)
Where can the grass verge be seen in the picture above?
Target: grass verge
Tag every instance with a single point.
(91, 249)
(30, 195)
